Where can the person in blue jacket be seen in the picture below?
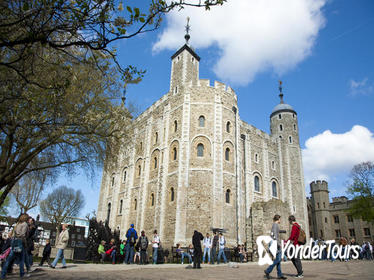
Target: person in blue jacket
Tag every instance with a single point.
(131, 236)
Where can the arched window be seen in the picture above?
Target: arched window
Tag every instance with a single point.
(200, 150)
(135, 204)
(172, 194)
(152, 199)
(112, 181)
(227, 154)
(156, 138)
(139, 170)
(124, 176)
(290, 139)
(257, 183)
(228, 127)
(280, 116)
(174, 153)
(109, 209)
(281, 127)
(155, 162)
(175, 126)
(120, 206)
(274, 189)
(228, 196)
(201, 121)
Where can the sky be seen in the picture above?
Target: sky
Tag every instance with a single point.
(323, 51)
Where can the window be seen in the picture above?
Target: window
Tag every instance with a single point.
(174, 153)
(156, 138)
(155, 162)
(293, 115)
(72, 243)
(176, 90)
(367, 231)
(324, 205)
(201, 121)
(350, 218)
(192, 59)
(256, 157)
(280, 136)
(139, 170)
(321, 234)
(294, 127)
(274, 189)
(120, 206)
(318, 204)
(141, 145)
(124, 176)
(73, 235)
(78, 230)
(280, 116)
(200, 150)
(325, 220)
(273, 165)
(352, 232)
(172, 194)
(257, 184)
(281, 127)
(112, 181)
(336, 219)
(79, 236)
(228, 196)
(135, 204)
(152, 199)
(109, 208)
(175, 126)
(338, 233)
(227, 154)
(228, 127)
(290, 139)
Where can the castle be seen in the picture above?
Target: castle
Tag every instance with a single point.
(192, 163)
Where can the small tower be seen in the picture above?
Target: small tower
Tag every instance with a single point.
(320, 209)
(184, 66)
(283, 121)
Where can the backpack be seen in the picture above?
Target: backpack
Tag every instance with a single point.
(302, 237)
(132, 237)
(143, 243)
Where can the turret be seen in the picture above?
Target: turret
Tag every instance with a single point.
(283, 121)
(320, 209)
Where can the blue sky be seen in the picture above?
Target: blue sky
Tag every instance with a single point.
(323, 51)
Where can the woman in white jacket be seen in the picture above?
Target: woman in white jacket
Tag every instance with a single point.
(61, 243)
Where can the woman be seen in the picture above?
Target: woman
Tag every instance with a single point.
(18, 247)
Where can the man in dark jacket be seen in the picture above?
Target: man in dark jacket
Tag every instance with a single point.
(213, 256)
(46, 253)
(131, 236)
(196, 241)
(143, 245)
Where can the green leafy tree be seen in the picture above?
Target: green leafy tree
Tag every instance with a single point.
(361, 189)
(60, 81)
(4, 206)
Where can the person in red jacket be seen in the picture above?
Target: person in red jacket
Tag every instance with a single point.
(294, 236)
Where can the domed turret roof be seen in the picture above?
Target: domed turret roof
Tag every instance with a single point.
(282, 107)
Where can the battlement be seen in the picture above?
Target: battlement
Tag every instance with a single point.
(217, 85)
(319, 185)
(339, 199)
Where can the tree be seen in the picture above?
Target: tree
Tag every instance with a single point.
(62, 203)
(28, 190)
(4, 207)
(60, 79)
(361, 189)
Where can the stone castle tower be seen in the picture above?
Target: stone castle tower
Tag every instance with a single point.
(319, 204)
(192, 163)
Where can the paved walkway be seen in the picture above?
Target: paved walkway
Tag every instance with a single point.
(321, 270)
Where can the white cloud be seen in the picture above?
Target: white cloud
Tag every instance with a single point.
(252, 36)
(328, 154)
(360, 87)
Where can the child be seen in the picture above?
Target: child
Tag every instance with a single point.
(101, 250)
(46, 253)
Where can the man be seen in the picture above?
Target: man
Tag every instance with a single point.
(61, 243)
(214, 248)
(295, 232)
(131, 236)
(207, 243)
(155, 245)
(221, 244)
(277, 261)
(196, 242)
(143, 245)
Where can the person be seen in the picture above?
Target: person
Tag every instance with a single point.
(61, 243)
(213, 255)
(242, 255)
(131, 236)
(183, 254)
(343, 242)
(278, 258)
(196, 242)
(137, 255)
(5, 250)
(155, 245)
(101, 250)
(46, 253)
(207, 243)
(122, 250)
(112, 250)
(294, 236)
(30, 242)
(18, 247)
(221, 244)
(143, 245)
